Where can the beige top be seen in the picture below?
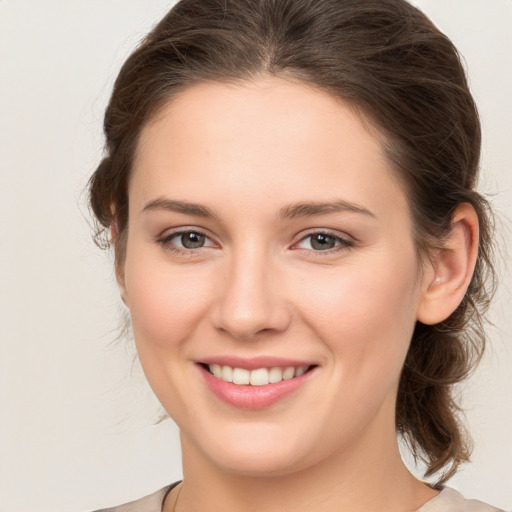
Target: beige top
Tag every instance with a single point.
(448, 500)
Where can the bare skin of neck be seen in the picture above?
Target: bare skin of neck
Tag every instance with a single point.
(366, 478)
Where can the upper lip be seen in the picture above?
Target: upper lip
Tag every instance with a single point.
(254, 363)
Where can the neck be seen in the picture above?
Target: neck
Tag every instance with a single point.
(355, 479)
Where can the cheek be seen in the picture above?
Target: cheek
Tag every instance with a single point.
(166, 306)
(165, 303)
(366, 314)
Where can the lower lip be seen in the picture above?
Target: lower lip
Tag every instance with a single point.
(253, 397)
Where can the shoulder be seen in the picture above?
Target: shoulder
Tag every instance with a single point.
(449, 500)
(151, 503)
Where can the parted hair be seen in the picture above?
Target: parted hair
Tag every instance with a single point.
(405, 77)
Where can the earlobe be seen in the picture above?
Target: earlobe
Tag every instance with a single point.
(114, 233)
(452, 268)
(121, 282)
(122, 287)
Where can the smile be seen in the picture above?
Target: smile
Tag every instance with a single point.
(256, 377)
(260, 384)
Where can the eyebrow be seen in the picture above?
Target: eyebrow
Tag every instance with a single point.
(310, 209)
(291, 211)
(185, 207)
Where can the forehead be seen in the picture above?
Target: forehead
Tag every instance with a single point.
(268, 137)
(268, 107)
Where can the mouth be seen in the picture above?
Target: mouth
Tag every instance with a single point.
(257, 376)
(255, 384)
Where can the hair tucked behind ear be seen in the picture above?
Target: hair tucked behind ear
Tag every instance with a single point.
(392, 64)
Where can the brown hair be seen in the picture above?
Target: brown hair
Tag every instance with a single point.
(389, 61)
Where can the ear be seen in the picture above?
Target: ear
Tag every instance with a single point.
(451, 268)
(121, 283)
(118, 265)
(114, 231)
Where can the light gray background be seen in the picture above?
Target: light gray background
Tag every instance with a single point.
(76, 421)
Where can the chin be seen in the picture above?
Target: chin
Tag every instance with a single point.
(258, 465)
(255, 454)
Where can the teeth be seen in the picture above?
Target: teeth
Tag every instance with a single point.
(227, 374)
(258, 377)
(216, 369)
(301, 370)
(289, 373)
(275, 375)
(241, 376)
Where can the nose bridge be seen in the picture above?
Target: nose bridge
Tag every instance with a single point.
(251, 301)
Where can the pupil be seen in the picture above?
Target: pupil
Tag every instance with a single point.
(322, 242)
(192, 240)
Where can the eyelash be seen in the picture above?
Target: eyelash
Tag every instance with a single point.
(166, 243)
(342, 243)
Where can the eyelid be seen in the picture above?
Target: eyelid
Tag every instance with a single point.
(346, 241)
(165, 239)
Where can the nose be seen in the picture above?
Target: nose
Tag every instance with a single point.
(251, 300)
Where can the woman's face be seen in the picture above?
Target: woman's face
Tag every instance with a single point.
(268, 237)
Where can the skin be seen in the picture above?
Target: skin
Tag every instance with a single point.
(259, 287)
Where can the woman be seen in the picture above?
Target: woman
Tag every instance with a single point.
(289, 187)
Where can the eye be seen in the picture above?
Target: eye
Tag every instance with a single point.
(322, 241)
(184, 241)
